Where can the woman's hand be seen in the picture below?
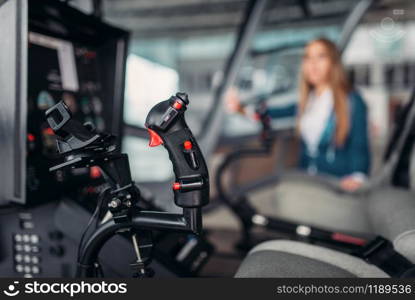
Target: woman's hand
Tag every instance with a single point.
(351, 183)
(233, 104)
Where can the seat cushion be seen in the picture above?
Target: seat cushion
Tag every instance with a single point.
(392, 213)
(305, 202)
(277, 264)
(284, 258)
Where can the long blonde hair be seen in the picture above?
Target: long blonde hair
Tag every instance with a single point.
(340, 87)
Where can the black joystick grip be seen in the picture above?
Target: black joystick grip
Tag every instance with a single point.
(166, 125)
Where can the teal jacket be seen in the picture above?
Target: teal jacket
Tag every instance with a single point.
(353, 156)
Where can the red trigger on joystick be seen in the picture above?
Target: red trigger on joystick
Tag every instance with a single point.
(155, 139)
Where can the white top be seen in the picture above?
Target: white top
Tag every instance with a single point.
(314, 120)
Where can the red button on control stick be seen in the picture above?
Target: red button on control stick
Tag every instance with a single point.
(187, 145)
(176, 186)
(95, 172)
(155, 139)
(177, 105)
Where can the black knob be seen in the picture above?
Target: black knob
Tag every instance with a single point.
(184, 97)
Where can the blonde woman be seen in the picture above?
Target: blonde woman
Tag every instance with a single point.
(331, 118)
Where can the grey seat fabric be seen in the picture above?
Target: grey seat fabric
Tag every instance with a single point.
(384, 211)
(297, 259)
(392, 215)
(306, 202)
(276, 264)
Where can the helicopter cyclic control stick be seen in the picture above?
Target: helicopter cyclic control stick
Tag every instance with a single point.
(167, 126)
(82, 147)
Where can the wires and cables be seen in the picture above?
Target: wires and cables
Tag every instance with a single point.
(94, 219)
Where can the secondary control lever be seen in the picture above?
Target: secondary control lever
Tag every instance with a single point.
(82, 147)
